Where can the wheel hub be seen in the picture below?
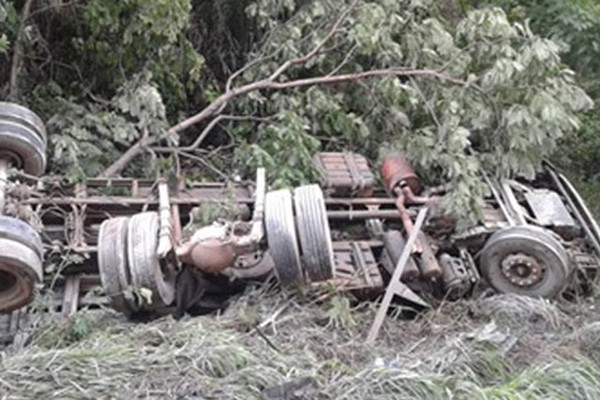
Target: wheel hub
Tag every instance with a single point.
(526, 260)
(13, 159)
(522, 270)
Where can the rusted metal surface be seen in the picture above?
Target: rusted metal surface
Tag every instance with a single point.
(397, 171)
(459, 274)
(345, 174)
(493, 218)
(411, 198)
(522, 269)
(355, 268)
(215, 247)
(366, 214)
(406, 217)
(440, 258)
(526, 260)
(127, 195)
(212, 255)
(165, 232)
(394, 244)
(428, 263)
(61, 225)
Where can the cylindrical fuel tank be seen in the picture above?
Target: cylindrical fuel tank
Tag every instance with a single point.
(396, 169)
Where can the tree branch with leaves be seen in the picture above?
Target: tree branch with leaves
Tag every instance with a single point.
(456, 94)
(272, 83)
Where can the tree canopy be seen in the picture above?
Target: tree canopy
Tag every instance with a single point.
(215, 88)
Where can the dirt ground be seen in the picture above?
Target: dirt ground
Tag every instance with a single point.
(274, 345)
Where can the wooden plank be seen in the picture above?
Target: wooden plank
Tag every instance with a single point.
(396, 287)
(71, 295)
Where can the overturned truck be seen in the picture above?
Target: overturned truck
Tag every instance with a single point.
(152, 248)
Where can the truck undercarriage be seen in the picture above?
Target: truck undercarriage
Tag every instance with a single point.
(157, 247)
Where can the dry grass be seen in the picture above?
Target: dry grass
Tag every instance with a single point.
(503, 347)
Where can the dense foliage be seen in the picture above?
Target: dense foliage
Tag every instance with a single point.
(514, 101)
(482, 86)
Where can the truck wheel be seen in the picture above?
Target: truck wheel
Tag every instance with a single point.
(281, 237)
(314, 233)
(112, 262)
(23, 138)
(20, 263)
(24, 116)
(144, 265)
(525, 260)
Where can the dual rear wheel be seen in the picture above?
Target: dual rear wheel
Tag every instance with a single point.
(298, 235)
(23, 143)
(23, 139)
(130, 270)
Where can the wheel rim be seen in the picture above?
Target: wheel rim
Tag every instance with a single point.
(523, 270)
(526, 260)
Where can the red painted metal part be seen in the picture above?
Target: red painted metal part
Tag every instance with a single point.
(345, 174)
(397, 171)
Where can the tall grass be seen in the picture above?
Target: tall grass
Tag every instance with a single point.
(503, 347)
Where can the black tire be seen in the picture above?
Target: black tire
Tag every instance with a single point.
(23, 115)
(22, 147)
(15, 229)
(281, 237)
(534, 243)
(21, 259)
(112, 262)
(144, 265)
(314, 233)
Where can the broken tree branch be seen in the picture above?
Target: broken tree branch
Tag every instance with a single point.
(220, 103)
(209, 128)
(315, 51)
(297, 60)
(272, 83)
(116, 167)
(267, 84)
